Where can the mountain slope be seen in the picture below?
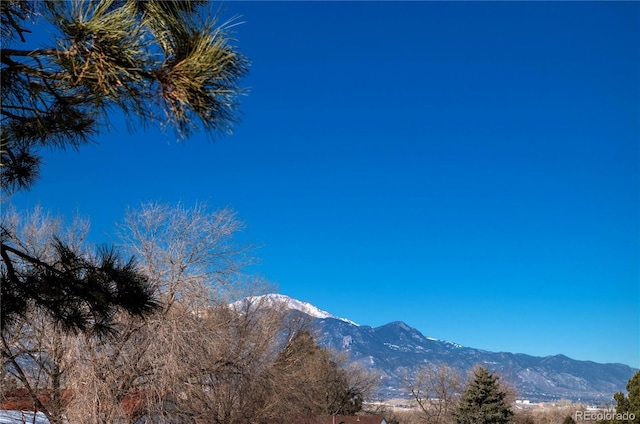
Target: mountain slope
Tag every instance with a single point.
(396, 351)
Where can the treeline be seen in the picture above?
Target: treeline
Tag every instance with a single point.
(194, 358)
(442, 395)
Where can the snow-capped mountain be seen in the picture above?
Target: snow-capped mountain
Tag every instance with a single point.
(396, 351)
(290, 303)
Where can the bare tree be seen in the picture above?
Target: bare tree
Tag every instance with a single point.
(198, 358)
(315, 381)
(37, 351)
(233, 380)
(436, 390)
(150, 370)
(186, 252)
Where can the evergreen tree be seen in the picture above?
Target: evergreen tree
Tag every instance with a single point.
(629, 404)
(158, 62)
(483, 401)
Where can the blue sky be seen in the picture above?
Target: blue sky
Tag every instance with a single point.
(471, 169)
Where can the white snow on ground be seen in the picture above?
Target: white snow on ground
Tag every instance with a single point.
(22, 417)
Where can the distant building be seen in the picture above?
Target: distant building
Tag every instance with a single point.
(341, 419)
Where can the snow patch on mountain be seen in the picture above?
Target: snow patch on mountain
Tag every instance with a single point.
(290, 303)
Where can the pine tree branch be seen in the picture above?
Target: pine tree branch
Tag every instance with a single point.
(23, 378)
(28, 258)
(7, 261)
(29, 53)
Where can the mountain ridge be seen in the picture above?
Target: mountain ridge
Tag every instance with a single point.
(396, 351)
